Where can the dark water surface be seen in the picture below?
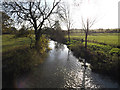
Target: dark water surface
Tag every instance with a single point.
(61, 70)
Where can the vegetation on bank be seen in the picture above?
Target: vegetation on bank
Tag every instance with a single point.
(9, 42)
(104, 58)
(101, 38)
(19, 58)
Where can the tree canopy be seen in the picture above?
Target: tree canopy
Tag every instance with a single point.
(33, 13)
(7, 24)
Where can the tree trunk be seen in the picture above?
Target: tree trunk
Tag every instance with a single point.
(86, 34)
(69, 36)
(31, 42)
(86, 40)
(37, 38)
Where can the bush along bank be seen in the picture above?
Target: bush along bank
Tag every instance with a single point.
(104, 59)
(21, 60)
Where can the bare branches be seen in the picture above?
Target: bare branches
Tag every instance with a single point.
(87, 23)
(65, 16)
(83, 24)
(34, 12)
(51, 11)
(92, 22)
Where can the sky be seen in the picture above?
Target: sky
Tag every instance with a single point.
(105, 12)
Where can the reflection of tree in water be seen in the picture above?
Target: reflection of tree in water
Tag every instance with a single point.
(59, 46)
(68, 55)
(84, 72)
(85, 82)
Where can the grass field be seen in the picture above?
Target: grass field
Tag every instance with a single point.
(9, 42)
(107, 38)
(18, 58)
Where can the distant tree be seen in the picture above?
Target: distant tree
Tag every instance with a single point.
(65, 15)
(23, 32)
(101, 30)
(86, 27)
(7, 24)
(107, 30)
(57, 25)
(58, 34)
(6, 20)
(35, 13)
(13, 30)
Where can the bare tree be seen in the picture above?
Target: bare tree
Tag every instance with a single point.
(65, 15)
(86, 27)
(34, 13)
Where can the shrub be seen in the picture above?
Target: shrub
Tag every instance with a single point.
(115, 51)
(22, 32)
(43, 44)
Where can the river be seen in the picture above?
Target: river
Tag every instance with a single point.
(61, 69)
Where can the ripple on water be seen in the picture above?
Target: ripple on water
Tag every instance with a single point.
(62, 69)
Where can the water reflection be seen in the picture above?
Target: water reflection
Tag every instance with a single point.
(62, 70)
(59, 46)
(84, 70)
(68, 58)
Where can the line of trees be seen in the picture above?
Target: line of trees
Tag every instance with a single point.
(7, 24)
(96, 30)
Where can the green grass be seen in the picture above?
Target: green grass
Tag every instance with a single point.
(10, 42)
(104, 59)
(18, 58)
(0, 43)
(102, 51)
(107, 38)
(95, 46)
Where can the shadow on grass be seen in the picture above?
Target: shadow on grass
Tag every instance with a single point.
(19, 61)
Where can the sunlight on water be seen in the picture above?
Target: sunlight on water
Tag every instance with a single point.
(74, 79)
(62, 70)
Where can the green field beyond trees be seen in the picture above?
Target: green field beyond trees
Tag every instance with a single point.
(106, 38)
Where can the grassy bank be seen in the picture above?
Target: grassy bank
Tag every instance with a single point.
(104, 58)
(10, 42)
(18, 58)
(105, 38)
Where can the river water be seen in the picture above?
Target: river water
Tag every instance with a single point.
(63, 70)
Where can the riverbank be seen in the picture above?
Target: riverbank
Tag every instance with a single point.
(61, 69)
(18, 58)
(104, 58)
(22, 59)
